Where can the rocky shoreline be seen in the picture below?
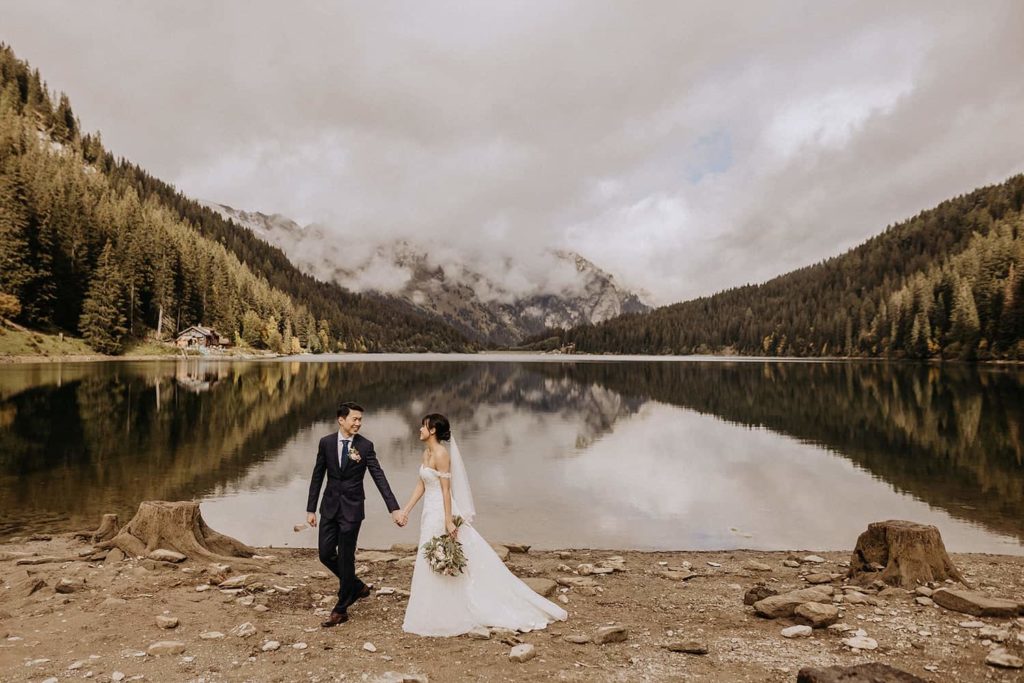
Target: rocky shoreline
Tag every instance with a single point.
(69, 612)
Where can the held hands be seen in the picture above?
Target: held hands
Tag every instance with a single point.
(400, 517)
(453, 530)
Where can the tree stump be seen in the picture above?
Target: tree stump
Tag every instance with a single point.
(108, 528)
(901, 553)
(176, 526)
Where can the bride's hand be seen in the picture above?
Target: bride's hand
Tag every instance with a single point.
(453, 530)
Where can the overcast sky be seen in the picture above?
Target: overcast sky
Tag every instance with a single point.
(684, 147)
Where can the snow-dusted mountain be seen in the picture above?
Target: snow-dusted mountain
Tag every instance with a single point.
(496, 299)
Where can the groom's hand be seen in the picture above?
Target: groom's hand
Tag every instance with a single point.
(399, 518)
(311, 518)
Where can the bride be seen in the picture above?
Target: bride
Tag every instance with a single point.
(486, 593)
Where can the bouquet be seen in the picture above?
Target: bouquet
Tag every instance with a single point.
(444, 554)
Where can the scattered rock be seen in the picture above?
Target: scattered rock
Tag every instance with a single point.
(405, 548)
(1003, 659)
(7, 556)
(999, 635)
(974, 603)
(501, 551)
(162, 555)
(813, 559)
(69, 585)
(784, 605)
(237, 581)
(713, 564)
(479, 633)
(244, 630)
(164, 621)
(271, 646)
(166, 647)
(113, 602)
(924, 602)
(522, 653)
(395, 677)
(261, 608)
(971, 624)
(114, 555)
(46, 559)
(923, 591)
(755, 566)
(610, 634)
(211, 635)
(576, 639)
(117, 676)
(839, 628)
(575, 581)
(800, 631)
(792, 564)
(690, 647)
(369, 647)
(677, 574)
(861, 673)
(541, 586)
(817, 615)
(299, 646)
(757, 593)
(860, 643)
(375, 556)
(517, 547)
(26, 587)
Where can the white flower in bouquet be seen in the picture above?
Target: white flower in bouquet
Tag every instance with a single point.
(444, 554)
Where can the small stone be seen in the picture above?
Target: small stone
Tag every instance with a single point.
(211, 635)
(203, 587)
(299, 527)
(244, 630)
(299, 646)
(755, 566)
(1003, 659)
(855, 598)
(813, 559)
(713, 564)
(319, 574)
(114, 556)
(610, 634)
(69, 585)
(839, 628)
(375, 556)
(576, 639)
(113, 602)
(817, 615)
(238, 581)
(369, 647)
(51, 679)
(75, 666)
(924, 602)
(501, 551)
(166, 647)
(995, 633)
(261, 608)
(523, 652)
(563, 599)
(796, 632)
(117, 676)
(271, 645)
(757, 593)
(162, 555)
(971, 624)
(541, 586)
(284, 590)
(479, 633)
(792, 564)
(923, 591)
(860, 643)
(690, 647)
(818, 578)
(166, 622)
(246, 600)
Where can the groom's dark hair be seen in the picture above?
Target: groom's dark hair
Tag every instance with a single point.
(347, 407)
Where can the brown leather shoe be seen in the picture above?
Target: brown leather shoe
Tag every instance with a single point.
(335, 619)
(365, 593)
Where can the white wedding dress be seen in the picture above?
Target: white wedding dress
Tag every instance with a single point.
(485, 594)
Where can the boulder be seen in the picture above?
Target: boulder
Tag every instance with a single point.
(541, 586)
(816, 614)
(861, 673)
(785, 604)
(974, 603)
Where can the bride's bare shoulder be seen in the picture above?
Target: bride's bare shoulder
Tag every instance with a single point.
(442, 460)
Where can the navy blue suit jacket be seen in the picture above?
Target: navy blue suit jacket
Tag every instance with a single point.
(344, 495)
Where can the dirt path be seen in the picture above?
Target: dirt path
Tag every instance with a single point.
(108, 619)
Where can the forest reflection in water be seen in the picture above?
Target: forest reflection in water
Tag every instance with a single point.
(637, 454)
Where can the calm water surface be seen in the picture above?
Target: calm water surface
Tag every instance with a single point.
(645, 454)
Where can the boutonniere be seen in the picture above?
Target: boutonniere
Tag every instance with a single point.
(353, 455)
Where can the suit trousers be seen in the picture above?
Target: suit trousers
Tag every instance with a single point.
(337, 541)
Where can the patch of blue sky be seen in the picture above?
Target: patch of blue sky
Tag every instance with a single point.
(709, 154)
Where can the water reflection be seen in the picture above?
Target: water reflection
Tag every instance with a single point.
(595, 454)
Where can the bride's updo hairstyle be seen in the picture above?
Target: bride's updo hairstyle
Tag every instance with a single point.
(439, 423)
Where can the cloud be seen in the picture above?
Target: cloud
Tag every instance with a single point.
(683, 148)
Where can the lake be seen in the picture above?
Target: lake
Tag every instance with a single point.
(671, 454)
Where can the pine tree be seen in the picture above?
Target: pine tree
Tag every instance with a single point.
(104, 323)
(965, 326)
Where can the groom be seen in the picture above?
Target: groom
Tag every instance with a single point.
(345, 456)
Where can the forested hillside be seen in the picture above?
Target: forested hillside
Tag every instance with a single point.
(947, 283)
(94, 245)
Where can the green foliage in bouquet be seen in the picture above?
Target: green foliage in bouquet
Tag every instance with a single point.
(444, 553)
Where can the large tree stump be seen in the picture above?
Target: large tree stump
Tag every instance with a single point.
(176, 526)
(901, 553)
(108, 528)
